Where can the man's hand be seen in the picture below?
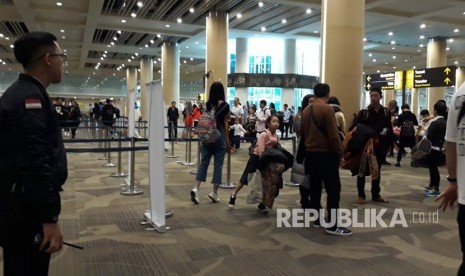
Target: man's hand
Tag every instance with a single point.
(448, 197)
(52, 238)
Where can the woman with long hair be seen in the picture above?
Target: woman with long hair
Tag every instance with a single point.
(216, 103)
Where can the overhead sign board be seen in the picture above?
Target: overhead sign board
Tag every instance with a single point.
(386, 81)
(434, 77)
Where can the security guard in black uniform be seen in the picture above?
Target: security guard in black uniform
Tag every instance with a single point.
(33, 164)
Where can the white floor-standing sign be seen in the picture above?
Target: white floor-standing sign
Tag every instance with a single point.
(157, 213)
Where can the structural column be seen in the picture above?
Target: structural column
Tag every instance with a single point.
(242, 66)
(146, 76)
(436, 57)
(342, 32)
(459, 77)
(170, 72)
(131, 84)
(388, 96)
(216, 63)
(415, 102)
(289, 68)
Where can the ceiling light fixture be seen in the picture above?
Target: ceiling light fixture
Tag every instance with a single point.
(308, 11)
(365, 39)
(140, 4)
(133, 15)
(59, 4)
(239, 16)
(118, 32)
(62, 31)
(167, 26)
(152, 41)
(456, 62)
(393, 42)
(112, 43)
(191, 10)
(393, 48)
(456, 30)
(394, 57)
(422, 26)
(263, 29)
(260, 4)
(422, 37)
(284, 21)
(451, 40)
(447, 49)
(123, 20)
(390, 33)
(179, 20)
(115, 38)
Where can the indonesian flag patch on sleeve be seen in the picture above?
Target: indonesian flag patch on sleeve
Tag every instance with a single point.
(32, 104)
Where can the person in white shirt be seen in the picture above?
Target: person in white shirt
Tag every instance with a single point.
(236, 110)
(238, 134)
(455, 162)
(261, 117)
(287, 116)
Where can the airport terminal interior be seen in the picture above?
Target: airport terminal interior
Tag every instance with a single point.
(274, 50)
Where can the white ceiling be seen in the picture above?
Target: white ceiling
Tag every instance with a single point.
(89, 27)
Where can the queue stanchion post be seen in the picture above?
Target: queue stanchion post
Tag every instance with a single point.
(131, 189)
(198, 158)
(290, 183)
(109, 164)
(104, 135)
(171, 131)
(228, 184)
(187, 162)
(119, 173)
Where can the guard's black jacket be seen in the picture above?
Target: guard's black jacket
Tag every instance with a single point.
(32, 155)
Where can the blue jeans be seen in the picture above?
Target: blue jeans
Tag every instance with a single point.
(217, 150)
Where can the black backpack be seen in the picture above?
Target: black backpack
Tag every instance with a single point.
(108, 113)
(407, 129)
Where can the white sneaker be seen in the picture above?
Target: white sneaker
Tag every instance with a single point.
(214, 197)
(195, 193)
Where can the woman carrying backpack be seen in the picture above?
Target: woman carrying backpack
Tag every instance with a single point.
(216, 103)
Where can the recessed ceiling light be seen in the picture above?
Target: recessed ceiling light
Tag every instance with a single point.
(158, 35)
(196, 42)
(115, 38)
(187, 47)
(12, 46)
(104, 55)
(101, 58)
(152, 41)
(422, 26)
(179, 20)
(62, 31)
(63, 37)
(422, 37)
(370, 54)
(393, 48)
(451, 40)
(456, 62)
(390, 33)
(374, 60)
(1, 35)
(106, 52)
(263, 29)
(419, 50)
(377, 71)
(167, 26)
(7, 38)
(59, 4)
(456, 30)
(394, 57)
(260, 4)
(118, 32)
(308, 11)
(146, 45)
(185, 61)
(447, 49)
(405, 60)
(315, 32)
(393, 42)
(140, 4)
(129, 60)
(284, 21)
(421, 45)
(394, 67)
(123, 20)
(192, 59)
(191, 10)
(136, 54)
(112, 43)
(133, 15)
(365, 39)
(386, 63)
(239, 16)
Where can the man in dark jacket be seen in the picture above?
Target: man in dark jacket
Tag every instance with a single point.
(173, 116)
(33, 163)
(378, 118)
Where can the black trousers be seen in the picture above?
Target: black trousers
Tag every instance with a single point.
(432, 160)
(20, 255)
(323, 168)
(375, 187)
(461, 222)
(173, 128)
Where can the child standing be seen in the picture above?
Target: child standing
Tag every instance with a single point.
(238, 133)
(266, 139)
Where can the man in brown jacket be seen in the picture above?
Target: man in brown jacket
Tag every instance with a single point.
(322, 158)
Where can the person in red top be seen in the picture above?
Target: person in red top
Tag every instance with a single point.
(196, 114)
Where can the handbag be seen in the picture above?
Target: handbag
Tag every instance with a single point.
(422, 148)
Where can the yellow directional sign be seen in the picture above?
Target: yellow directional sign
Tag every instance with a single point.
(368, 86)
(447, 81)
(368, 78)
(447, 70)
(434, 77)
(409, 79)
